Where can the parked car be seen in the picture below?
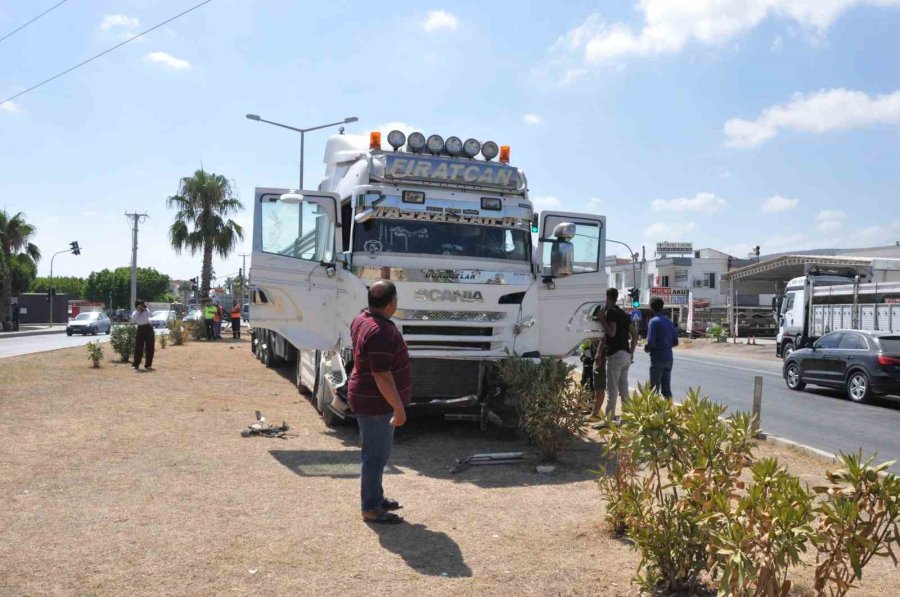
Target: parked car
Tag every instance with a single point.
(89, 323)
(161, 319)
(865, 364)
(194, 315)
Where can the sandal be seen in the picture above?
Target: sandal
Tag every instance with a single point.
(383, 517)
(389, 505)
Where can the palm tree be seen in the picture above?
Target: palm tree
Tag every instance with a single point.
(204, 202)
(15, 245)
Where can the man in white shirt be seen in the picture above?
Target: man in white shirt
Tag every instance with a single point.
(144, 340)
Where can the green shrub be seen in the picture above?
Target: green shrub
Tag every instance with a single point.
(858, 520)
(755, 539)
(163, 339)
(674, 485)
(550, 401)
(716, 331)
(122, 340)
(179, 332)
(95, 353)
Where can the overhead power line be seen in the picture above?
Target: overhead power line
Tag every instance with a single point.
(11, 33)
(103, 53)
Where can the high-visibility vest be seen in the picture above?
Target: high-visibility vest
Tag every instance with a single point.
(209, 312)
(235, 313)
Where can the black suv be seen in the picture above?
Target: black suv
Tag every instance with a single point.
(863, 363)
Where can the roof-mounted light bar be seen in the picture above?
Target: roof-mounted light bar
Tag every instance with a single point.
(434, 144)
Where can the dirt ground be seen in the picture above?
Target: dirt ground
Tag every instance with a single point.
(114, 482)
(740, 350)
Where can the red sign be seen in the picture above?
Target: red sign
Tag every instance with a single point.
(701, 304)
(892, 301)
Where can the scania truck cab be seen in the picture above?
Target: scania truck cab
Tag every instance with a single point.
(480, 276)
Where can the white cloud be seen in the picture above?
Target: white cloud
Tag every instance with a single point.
(532, 119)
(669, 26)
(114, 21)
(440, 20)
(821, 112)
(594, 205)
(702, 202)
(777, 44)
(546, 202)
(9, 107)
(168, 60)
(830, 220)
(777, 203)
(669, 231)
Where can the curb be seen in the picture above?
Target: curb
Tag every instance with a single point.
(802, 448)
(10, 335)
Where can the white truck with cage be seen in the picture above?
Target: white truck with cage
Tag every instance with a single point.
(454, 233)
(814, 305)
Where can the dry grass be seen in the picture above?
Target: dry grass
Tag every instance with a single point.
(114, 482)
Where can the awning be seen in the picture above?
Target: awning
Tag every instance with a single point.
(786, 267)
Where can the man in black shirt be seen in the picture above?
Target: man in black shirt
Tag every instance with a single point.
(621, 340)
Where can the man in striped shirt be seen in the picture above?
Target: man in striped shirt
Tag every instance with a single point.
(380, 388)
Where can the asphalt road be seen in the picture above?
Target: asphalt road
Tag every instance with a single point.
(10, 347)
(818, 417)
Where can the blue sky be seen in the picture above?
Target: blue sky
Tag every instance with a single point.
(729, 124)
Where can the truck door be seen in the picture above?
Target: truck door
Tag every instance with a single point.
(565, 304)
(292, 266)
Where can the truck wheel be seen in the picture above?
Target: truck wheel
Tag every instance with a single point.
(787, 349)
(793, 379)
(858, 387)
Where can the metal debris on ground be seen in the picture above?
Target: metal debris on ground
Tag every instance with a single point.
(260, 427)
(479, 459)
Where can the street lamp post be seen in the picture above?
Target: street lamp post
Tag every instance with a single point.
(634, 279)
(302, 132)
(75, 250)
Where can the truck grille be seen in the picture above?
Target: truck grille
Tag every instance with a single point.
(444, 378)
(447, 345)
(427, 315)
(443, 330)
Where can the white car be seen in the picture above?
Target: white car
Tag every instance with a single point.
(160, 319)
(89, 323)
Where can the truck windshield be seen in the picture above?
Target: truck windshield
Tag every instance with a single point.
(442, 238)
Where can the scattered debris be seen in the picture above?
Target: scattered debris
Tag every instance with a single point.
(264, 429)
(478, 459)
(544, 469)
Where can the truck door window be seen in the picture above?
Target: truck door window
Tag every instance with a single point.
(788, 302)
(586, 243)
(301, 231)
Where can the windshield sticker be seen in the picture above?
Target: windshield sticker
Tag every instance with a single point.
(394, 213)
(373, 247)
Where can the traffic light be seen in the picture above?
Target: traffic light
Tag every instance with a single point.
(635, 294)
(194, 284)
(756, 250)
(76, 250)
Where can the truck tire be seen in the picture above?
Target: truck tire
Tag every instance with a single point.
(329, 417)
(786, 349)
(859, 389)
(792, 378)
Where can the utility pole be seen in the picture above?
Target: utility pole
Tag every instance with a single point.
(244, 280)
(134, 219)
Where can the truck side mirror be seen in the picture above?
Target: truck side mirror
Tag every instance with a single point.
(562, 259)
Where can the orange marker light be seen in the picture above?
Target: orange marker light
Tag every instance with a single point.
(504, 154)
(375, 140)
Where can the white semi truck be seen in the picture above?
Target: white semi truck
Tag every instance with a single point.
(454, 233)
(814, 305)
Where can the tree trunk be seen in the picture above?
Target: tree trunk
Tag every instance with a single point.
(5, 291)
(206, 272)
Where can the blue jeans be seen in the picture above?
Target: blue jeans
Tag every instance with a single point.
(377, 435)
(661, 378)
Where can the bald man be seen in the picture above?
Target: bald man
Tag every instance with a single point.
(380, 389)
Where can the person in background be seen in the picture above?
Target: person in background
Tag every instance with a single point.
(599, 375)
(15, 316)
(209, 317)
(662, 336)
(621, 340)
(235, 320)
(380, 388)
(587, 365)
(145, 339)
(217, 320)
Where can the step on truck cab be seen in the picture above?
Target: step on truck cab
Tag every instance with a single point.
(479, 274)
